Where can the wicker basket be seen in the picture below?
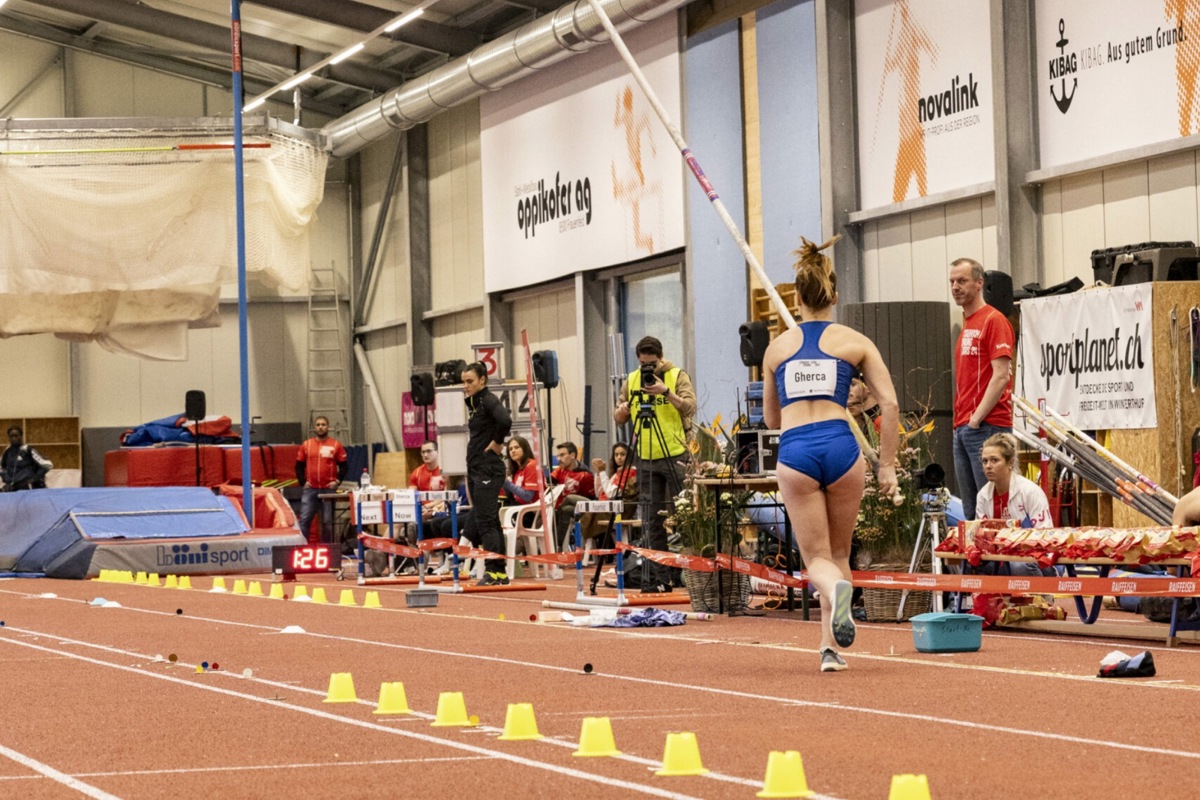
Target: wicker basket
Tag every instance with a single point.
(703, 587)
(883, 605)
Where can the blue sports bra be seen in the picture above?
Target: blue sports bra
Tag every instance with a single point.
(811, 373)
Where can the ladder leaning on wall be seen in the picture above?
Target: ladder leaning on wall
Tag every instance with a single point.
(327, 357)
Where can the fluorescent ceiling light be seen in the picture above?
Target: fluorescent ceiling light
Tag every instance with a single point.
(294, 82)
(399, 23)
(253, 104)
(349, 51)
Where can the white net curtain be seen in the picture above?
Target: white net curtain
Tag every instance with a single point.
(124, 237)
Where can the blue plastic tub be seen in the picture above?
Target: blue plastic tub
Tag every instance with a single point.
(944, 632)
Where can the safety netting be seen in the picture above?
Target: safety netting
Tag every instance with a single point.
(125, 236)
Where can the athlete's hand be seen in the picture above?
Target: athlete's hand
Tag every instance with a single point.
(886, 480)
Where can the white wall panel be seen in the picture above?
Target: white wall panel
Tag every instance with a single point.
(1126, 204)
(931, 262)
(35, 68)
(454, 334)
(36, 376)
(870, 261)
(1171, 183)
(455, 207)
(1053, 271)
(895, 259)
(1082, 223)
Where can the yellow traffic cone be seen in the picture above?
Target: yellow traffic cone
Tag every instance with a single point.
(255, 589)
(392, 699)
(596, 738)
(276, 591)
(185, 581)
(372, 600)
(301, 591)
(909, 787)
(219, 584)
(451, 711)
(239, 586)
(127, 576)
(346, 598)
(318, 595)
(785, 776)
(152, 579)
(341, 688)
(172, 582)
(519, 723)
(140, 579)
(681, 755)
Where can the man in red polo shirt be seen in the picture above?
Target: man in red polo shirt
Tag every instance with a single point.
(428, 477)
(320, 467)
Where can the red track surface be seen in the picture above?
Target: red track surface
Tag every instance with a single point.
(89, 711)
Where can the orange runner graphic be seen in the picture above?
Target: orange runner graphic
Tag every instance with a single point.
(906, 43)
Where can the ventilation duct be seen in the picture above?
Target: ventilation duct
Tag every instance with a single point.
(547, 40)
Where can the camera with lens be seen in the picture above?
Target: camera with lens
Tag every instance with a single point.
(933, 477)
(648, 378)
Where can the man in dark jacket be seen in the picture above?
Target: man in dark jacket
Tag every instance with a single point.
(488, 426)
(22, 467)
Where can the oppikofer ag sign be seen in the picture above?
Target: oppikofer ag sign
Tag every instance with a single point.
(1089, 356)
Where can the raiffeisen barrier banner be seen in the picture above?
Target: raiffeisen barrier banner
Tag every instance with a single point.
(577, 171)
(1089, 356)
(1114, 74)
(924, 79)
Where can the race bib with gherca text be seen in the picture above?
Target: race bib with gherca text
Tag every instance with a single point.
(810, 378)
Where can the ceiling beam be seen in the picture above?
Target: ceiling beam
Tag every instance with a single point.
(217, 38)
(364, 18)
(209, 76)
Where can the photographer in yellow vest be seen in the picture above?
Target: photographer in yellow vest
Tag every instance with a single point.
(658, 397)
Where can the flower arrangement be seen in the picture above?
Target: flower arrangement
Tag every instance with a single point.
(692, 519)
(884, 528)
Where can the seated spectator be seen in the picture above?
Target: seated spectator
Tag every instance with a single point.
(428, 477)
(862, 406)
(522, 485)
(22, 467)
(1010, 495)
(577, 481)
(616, 480)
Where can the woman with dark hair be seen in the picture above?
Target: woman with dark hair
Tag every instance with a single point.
(488, 424)
(806, 389)
(522, 486)
(619, 479)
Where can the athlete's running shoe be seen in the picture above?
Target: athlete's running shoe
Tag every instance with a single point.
(831, 661)
(842, 616)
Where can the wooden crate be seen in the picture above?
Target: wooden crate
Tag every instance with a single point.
(56, 438)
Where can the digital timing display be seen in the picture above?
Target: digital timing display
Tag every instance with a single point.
(303, 558)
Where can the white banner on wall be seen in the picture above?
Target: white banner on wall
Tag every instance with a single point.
(1089, 356)
(1114, 74)
(578, 172)
(924, 80)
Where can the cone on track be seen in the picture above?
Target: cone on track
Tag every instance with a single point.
(519, 723)
(372, 600)
(239, 586)
(909, 787)
(392, 699)
(318, 595)
(451, 711)
(127, 577)
(185, 581)
(199, 668)
(276, 591)
(301, 591)
(346, 598)
(596, 738)
(219, 584)
(255, 589)
(172, 582)
(341, 688)
(140, 579)
(681, 755)
(152, 579)
(785, 776)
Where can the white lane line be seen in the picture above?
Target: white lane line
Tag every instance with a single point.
(371, 726)
(55, 775)
(253, 767)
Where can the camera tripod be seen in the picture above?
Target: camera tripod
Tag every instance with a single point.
(933, 522)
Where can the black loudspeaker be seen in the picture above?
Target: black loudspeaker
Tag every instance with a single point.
(422, 389)
(194, 405)
(545, 368)
(755, 338)
(998, 291)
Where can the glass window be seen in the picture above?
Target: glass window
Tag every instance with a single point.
(652, 305)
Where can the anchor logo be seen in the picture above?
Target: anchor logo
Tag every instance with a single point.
(1063, 102)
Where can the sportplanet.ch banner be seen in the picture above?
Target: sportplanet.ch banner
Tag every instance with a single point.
(1089, 356)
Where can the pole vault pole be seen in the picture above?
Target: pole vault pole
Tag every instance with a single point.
(785, 314)
(240, 189)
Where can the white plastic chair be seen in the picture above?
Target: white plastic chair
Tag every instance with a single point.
(527, 522)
